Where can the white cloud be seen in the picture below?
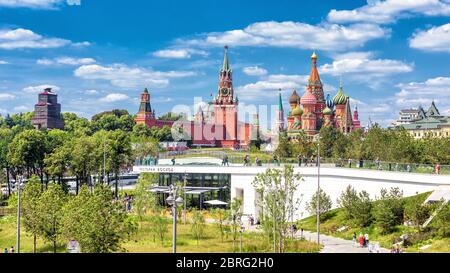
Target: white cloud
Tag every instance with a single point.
(433, 39)
(37, 4)
(40, 88)
(23, 38)
(91, 92)
(114, 97)
(353, 55)
(3, 62)
(5, 97)
(179, 53)
(414, 94)
(365, 68)
(66, 61)
(22, 108)
(390, 10)
(121, 75)
(295, 35)
(254, 71)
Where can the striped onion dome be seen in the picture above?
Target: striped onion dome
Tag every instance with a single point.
(340, 98)
(297, 111)
(308, 98)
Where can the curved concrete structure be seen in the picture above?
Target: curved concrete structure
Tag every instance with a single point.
(332, 180)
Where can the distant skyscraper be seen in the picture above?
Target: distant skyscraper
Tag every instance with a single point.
(47, 112)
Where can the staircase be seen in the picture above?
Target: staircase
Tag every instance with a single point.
(434, 214)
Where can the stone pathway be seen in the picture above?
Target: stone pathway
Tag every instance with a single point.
(337, 245)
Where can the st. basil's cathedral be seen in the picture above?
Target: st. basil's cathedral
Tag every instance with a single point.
(309, 113)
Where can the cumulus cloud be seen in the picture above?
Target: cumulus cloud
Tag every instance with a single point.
(66, 61)
(40, 88)
(414, 94)
(179, 53)
(254, 71)
(23, 38)
(433, 39)
(365, 68)
(5, 96)
(121, 75)
(294, 35)
(38, 4)
(114, 97)
(22, 108)
(3, 62)
(390, 10)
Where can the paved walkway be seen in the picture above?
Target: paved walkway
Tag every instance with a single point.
(337, 245)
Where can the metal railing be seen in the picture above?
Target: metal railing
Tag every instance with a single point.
(236, 158)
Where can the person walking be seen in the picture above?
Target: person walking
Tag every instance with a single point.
(354, 238)
(11, 250)
(299, 160)
(377, 247)
(438, 168)
(361, 240)
(5, 250)
(173, 161)
(408, 168)
(275, 161)
(350, 163)
(366, 239)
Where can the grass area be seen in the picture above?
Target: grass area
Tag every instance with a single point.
(334, 220)
(143, 241)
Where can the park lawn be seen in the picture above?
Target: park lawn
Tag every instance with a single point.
(143, 241)
(334, 219)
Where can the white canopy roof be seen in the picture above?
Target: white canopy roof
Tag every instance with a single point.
(216, 203)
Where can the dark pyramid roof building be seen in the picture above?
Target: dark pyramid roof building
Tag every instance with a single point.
(47, 112)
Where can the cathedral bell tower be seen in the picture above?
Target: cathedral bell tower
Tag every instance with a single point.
(225, 107)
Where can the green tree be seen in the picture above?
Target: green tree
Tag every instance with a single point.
(50, 209)
(325, 203)
(143, 198)
(442, 219)
(220, 216)
(347, 201)
(32, 218)
(388, 210)
(363, 210)
(197, 225)
(159, 227)
(275, 189)
(6, 136)
(27, 152)
(416, 211)
(96, 221)
(235, 219)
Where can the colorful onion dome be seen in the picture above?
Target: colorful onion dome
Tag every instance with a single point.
(340, 98)
(327, 111)
(297, 111)
(308, 98)
(294, 98)
(329, 102)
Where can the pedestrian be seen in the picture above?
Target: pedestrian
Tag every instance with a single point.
(275, 161)
(173, 161)
(11, 250)
(361, 240)
(408, 168)
(377, 247)
(354, 238)
(396, 167)
(438, 168)
(299, 160)
(305, 160)
(370, 248)
(227, 161)
(350, 163)
(301, 234)
(5, 250)
(366, 238)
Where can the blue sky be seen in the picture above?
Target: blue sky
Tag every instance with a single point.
(99, 55)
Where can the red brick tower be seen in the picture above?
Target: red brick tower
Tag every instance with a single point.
(145, 114)
(225, 108)
(356, 121)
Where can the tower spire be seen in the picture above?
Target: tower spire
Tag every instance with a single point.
(226, 64)
(280, 101)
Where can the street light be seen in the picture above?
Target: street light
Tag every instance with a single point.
(174, 203)
(18, 187)
(318, 191)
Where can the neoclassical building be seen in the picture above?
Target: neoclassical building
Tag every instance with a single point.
(312, 111)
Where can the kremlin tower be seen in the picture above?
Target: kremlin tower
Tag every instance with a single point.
(280, 112)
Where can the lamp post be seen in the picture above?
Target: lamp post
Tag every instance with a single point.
(18, 186)
(241, 231)
(174, 201)
(318, 192)
(184, 193)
